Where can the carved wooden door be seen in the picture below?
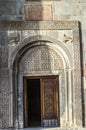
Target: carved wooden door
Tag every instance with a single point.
(45, 91)
(50, 101)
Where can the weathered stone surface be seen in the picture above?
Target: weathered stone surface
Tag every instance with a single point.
(11, 10)
(4, 57)
(85, 70)
(61, 10)
(30, 29)
(3, 38)
(39, 25)
(64, 128)
(38, 12)
(40, 59)
(4, 98)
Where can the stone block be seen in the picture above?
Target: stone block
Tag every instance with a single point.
(38, 12)
(83, 23)
(62, 8)
(84, 55)
(85, 70)
(4, 97)
(84, 38)
(4, 57)
(82, 1)
(76, 9)
(62, 17)
(11, 10)
(3, 38)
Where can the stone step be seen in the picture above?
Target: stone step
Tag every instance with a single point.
(50, 128)
(53, 129)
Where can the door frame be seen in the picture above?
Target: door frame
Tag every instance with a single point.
(25, 103)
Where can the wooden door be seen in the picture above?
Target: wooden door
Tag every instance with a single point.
(50, 101)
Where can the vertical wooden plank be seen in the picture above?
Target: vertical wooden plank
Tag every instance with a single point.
(42, 99)
(25, 103)
(57, 99)
(48, 98)
(51, 83)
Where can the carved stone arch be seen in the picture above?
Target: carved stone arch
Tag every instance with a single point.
(40, 55)
(65, 79)
(32, 41)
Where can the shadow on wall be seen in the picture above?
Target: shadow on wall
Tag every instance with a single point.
(82, 73)
(10, 11)
(4, 87)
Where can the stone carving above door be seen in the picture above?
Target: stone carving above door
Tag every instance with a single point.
(40, 58)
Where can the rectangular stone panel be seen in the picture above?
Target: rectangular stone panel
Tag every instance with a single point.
(38, 12)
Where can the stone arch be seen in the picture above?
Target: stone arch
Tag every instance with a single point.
(64, 76)
(29, 42)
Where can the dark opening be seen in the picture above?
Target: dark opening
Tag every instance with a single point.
(34, 102)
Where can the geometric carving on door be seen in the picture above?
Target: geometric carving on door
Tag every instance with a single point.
(49, 91)
(49, 100)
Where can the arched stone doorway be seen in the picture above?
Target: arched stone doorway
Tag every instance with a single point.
(23, 66)
(39, 66)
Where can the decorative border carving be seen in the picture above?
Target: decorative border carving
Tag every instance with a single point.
(40, 25)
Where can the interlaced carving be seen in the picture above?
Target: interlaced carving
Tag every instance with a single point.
(40, 58)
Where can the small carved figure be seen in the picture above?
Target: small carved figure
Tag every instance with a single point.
(67, 39)
(14, 38)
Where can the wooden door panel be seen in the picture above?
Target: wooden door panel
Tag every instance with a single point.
(25, 103)
(50, 100)
(49, 87)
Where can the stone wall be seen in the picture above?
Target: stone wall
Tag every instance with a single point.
(4, 98)
(13, 10)
(71, 10)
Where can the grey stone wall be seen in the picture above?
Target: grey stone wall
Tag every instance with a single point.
(17, 42)
(11, 10)
(4, 98)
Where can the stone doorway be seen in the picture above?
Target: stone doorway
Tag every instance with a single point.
(41, 101)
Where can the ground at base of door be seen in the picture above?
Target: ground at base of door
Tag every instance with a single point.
(32, 128)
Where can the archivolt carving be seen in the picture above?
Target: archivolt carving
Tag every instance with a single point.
(40, 58)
